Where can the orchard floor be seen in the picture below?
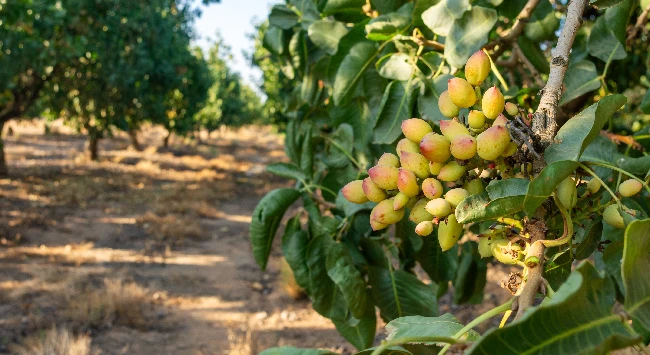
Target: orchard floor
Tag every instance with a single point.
(147, 252)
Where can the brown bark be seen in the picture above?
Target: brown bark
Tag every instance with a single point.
(92, 147)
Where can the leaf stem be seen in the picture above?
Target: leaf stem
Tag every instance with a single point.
(387, 344)
(480, 319)
(497, 73)
(568, 227)
(345, 152)
(593, 174)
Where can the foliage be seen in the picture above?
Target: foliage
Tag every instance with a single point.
(347, 74)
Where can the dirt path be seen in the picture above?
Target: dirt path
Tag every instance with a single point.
(145, 252)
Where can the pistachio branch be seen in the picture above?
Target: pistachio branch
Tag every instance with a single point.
(513, 33)
(640, 23)
(545, 126)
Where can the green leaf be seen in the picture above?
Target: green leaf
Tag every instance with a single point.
(503, 198)
(334, 6)
(420, 7)
(603, 150)
(580, 79)
(398, 293)
(396, 66)
(543, 23)
(471, 276)
(590, 241)
(440, 17)
(274, 40)
(576, 134)
(291, 350)
(417, 326)
(350, 208)
(341, 269)
(351, 70)
(558, 268)
(322, 289)
(327, 34)
(283, 17)
(396, 106)
(636, 263)
(428, 102)
(385, 27)
(286, 170)
(535, 54)
(607, 38)
(468, 34)
(578, 319)
(440, 266)
(340, 146)
(298, 51)
(393, 350)
(542, 186)
(361, 334)
(266, 219)
(294, 249)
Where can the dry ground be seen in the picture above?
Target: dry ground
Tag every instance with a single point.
(146, 252)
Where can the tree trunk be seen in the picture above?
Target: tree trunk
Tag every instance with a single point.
(166, 139)
(133, 137)
(92, 147)
(3, 162)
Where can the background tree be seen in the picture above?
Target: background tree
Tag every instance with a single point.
(357, 70)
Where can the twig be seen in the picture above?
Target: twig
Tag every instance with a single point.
(531, 68)
(421, 41)
(511, 35)
(544, 126)
(640, 23)
(544, 120)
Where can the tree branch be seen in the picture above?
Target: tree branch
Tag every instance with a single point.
(513, 33)
(544, 120)
(545, 126)
(531, 68)
(640, 23)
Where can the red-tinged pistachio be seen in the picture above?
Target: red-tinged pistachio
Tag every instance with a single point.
(446, 106)
(407, 183)
(353, 192)
(452, 128)
(385, 214)
(384, 176)
(477, 68)
(416, 163)
(389, 159)
(463, 147)
(399, 201)
(461, 92)
(452, 171)
(512, 109)
(373, 192)
(449, 231)
(435, 148)
(424, 228)
(377, 226)
(432, 188)
(501, 120)
(415, 129)
(493, 142)
(492, 103)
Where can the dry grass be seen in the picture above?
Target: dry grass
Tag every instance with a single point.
(172, 228)
(56, 342)
(116, 303)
